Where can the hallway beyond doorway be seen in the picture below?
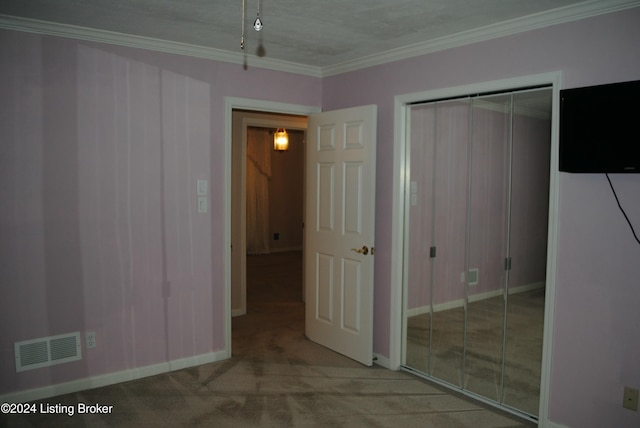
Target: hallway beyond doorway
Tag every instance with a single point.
(275, 277)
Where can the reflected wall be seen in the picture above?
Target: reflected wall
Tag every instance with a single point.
(476, 244)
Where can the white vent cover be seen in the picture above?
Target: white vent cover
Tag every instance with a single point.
(47, 351)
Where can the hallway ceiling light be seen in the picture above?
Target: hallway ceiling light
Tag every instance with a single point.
(280, 140)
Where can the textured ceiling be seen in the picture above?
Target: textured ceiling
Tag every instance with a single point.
(319, 34)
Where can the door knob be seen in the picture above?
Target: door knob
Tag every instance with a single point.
(364, 250)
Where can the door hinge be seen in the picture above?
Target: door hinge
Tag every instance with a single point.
(507, 263)
(432, 252)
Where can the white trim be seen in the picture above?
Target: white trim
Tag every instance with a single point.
(557, 16)
(152, 44)
(231, 103)
(552, 256)
(400, 177)
(111, 378)
(381, 360)
(549, 424)
(535, 21)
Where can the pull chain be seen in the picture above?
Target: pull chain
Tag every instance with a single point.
(257, 24)
(242, 38)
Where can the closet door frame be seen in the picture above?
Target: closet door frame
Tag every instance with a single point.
(401, 189)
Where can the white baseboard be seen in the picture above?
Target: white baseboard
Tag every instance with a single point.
(112, 378)
(382, 361)
(458, 303)
(549, 424)
(238, 312)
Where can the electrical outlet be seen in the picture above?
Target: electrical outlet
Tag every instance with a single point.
(90, 339)
(630, 400)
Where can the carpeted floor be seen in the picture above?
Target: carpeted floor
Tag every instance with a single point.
(483, 369)
(276, 378)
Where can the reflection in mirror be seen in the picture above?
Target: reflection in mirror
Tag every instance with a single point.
(488, 244)
(438, 215)
(528, 249)
(478, 199)
(450, 202)
(419, 269)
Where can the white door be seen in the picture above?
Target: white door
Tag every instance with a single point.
(339, 224)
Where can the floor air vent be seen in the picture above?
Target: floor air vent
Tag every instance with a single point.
(47, 351)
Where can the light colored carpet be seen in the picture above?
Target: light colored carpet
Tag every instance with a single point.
(483, 367)
(276, 378)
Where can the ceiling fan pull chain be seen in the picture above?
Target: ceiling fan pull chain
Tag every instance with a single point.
(242, 25)
(257, 24)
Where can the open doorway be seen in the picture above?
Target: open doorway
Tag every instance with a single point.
(346, 323)
(267, 211)
(233, 241)
(267, 223)
(274, 200)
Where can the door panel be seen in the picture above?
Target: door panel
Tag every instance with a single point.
(528, 250)
(324, 295)
(476, 242)
(488, 228)
(340, 224)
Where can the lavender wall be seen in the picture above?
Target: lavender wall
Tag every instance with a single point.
(99, 231)
(43, 247)
(596, 348)
(490, 137)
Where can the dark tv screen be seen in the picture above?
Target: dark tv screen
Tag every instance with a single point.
(600, 128)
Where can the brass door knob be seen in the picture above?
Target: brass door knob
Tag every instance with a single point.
(364, 250)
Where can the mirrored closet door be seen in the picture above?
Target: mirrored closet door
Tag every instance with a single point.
(475, 243)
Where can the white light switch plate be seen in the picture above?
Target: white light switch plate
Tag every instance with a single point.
(203, 187)
(202, 204)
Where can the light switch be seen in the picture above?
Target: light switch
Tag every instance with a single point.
(202, 187)
(202, 204)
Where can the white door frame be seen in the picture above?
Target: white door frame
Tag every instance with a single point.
(231, 103)
(401, 176)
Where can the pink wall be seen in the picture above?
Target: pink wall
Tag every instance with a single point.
(43, 248)
(101, 149)
(596, 348)
(489, 148)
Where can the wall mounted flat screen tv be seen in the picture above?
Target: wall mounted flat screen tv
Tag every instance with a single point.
(600, 128)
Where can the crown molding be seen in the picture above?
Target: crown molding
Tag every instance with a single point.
(576, 12)
(141, 42)
(519, 25)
